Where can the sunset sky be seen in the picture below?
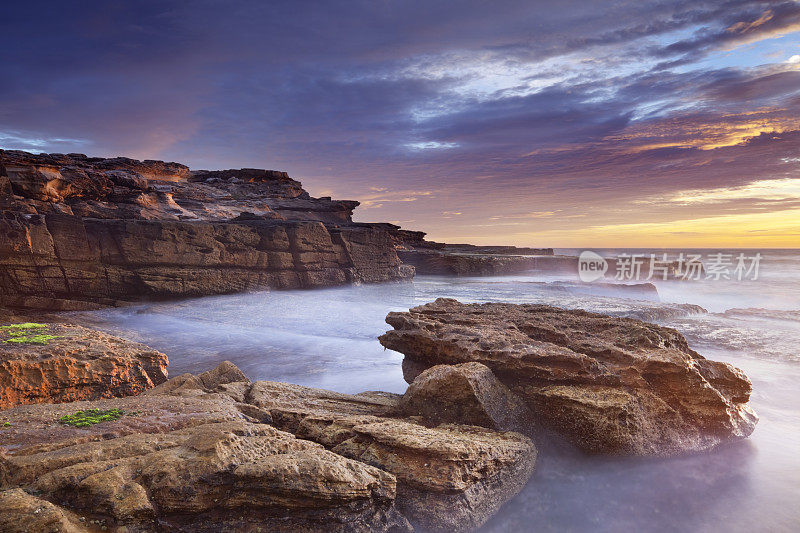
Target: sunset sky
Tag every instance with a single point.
(567, 124)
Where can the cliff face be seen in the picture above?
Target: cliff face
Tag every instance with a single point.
(77, 232)
(430, 257)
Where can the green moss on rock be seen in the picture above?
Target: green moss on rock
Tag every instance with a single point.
(26, 333)
(89, 417)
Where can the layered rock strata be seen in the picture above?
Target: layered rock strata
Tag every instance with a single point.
(77, 232)
(430, 257)
(608, 384)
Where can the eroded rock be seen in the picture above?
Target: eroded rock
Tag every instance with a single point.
(78, 232)
(216, 452)
(230, 475)
(450, 477)
(608, 384)
(24, 513)
(77, 364)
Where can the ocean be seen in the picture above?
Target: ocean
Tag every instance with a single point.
(327, 338)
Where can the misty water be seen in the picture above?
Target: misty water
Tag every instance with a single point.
(327, 338)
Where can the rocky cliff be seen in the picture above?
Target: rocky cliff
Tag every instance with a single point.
(437, 258)
(79, 231)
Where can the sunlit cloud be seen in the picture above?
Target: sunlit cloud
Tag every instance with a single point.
(777, 229)
(534, 214)
(773, 189)
(382, 196)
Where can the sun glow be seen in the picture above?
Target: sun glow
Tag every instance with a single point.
(777, 229)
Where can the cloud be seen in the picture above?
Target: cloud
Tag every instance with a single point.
(771, 189)
(33, 143)
(737, 27)
(382, 196)
(548, 117)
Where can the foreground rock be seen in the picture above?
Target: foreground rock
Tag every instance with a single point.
(215, 452)
(193, 466)
(23, 513)
(78, 232)
(450, 477)
(76, 364)
(609, 385)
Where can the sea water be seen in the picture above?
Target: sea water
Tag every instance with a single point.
(327, 338)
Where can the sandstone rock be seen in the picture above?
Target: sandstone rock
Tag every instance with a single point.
(226, 372)
(21, 512)
(210, 475)
(467, 264)
(429, 257)
(450, 477)
(466, 393)
(78, 364)
(77, 230)
(190, 456)
(609, 385)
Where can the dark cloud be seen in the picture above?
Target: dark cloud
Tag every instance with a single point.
(760, 20)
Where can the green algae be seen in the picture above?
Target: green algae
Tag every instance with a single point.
(26, 333)
(90, 417)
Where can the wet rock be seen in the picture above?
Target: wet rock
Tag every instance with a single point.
(663, 312)
(608, 384)
(209, 477)
(444, 262)
(76, 364)
(450, 477)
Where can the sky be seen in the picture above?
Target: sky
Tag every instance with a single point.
(672, 123)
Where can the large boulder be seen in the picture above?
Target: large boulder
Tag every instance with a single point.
(451, 477)
(467, 393)
(608, 384)
(65, 363)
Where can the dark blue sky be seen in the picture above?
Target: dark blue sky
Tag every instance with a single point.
(552, 123)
